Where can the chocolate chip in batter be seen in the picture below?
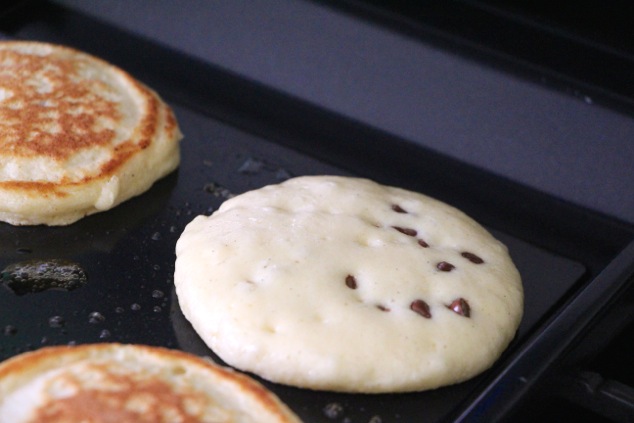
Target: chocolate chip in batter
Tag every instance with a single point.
(406, 231)
(445, 266)
(460, 306)
(398, 209)
(472, 257)
(421, 307)
(351, 282)
(382, 307)
(422, 243)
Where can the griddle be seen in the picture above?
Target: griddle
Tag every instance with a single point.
(241, 135)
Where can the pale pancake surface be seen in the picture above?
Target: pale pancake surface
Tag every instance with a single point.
(343, 284)
(101, 383)
(77, 135)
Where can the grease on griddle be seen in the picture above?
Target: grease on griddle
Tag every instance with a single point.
(253, 166)
(95, 318)
(10, 330)
(32, 276)
(56, 322)
(218, 190)
(333, 410)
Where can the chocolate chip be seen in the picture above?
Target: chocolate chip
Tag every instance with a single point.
(406, 231)
(421, 307)
(461, 307)
(422, 243)
(472, 257)
(382, 307)
(445, 267)
(351, 282)
(398, 209)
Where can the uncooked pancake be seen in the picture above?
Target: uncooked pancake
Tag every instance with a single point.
(343, 284)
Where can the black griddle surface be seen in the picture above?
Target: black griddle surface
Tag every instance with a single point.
(128, 255)
(241, 136)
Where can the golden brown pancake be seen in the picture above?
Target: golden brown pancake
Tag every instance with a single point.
(130, 383)
(77, 135)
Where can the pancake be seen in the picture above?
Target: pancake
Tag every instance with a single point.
(114, 382)
(344, 284)
(77, 135)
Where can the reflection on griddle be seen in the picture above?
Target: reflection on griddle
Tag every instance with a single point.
(97, 233)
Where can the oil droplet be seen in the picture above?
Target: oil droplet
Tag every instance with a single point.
(104, 334)
(157, 309)
(217, 190)
(56, 321)
(251, 166)
(158, 293)
(118, 310)
(334, 410)
(156, 236)
(32, 276)
(135, 307)
(375, 419)
(95, 317)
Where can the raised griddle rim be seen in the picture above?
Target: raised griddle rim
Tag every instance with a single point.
(558, 336)
(606, 236)
(513, 38)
